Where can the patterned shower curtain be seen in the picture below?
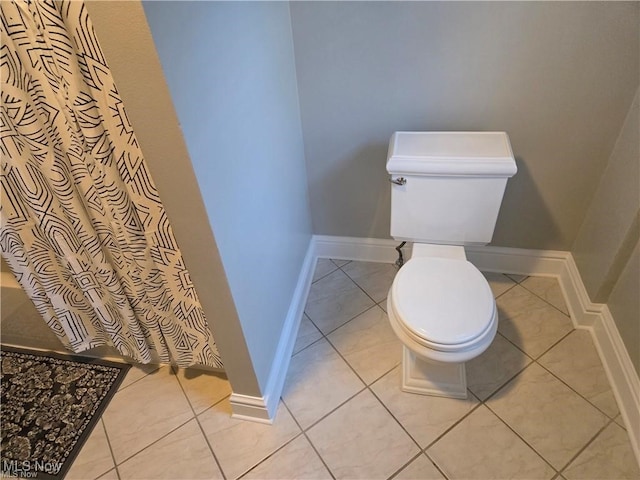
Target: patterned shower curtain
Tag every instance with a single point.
(83, 228)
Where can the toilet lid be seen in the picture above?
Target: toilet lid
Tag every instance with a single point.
(443, 300)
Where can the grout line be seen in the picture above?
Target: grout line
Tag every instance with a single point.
(304, 432)
(281, 447)
(158, 367)
(366, 387)
(522, 439)
(113, 457)
(154, 442)
(361, 288)
(516, 347)
(369, 387)
(517, 282)
(536, 360)
(318, 453)
(397, 421)
(354, 370)
(215, 404)
(397, 472)
(533, 360)
(171, 367)
(195, 416)
(347, 262)
(455, 424)
(308, 346)
(324, 337)
(316, 422)
(433, 462)
(384, 300)
(325, 275)
(206, 439)
(507, 382)
(579, 452)
(340, 326)
(511, 287)
(547, 301)
(375, 304)
(576, 391)
(556, 343)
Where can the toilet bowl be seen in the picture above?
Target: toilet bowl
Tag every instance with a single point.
(446, 192)
(443, 311)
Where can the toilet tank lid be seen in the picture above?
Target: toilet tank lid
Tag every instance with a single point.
(451, 154)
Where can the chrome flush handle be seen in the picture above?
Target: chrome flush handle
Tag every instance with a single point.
(398, 181)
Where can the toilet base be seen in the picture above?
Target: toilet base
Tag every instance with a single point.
(429, 377)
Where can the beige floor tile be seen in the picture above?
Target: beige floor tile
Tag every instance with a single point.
(373, 278)
(137, 372)
(144, 412)
(361, 440)
(529, 322)
(383, 305)
(620, 421)
(610, 456)
(575, 361)
(307, 334)
(424, 417)
(95, 457)
(340, 263)
(516, 278)
(334, 300)
(547, 414)
(317, 382)
(549, 289)
(498, 282)
(151, 417)
(203, 389)
(482, 447)
(239, 445)
(297, 460)
(494, 367)
(110, 475)
(368, 336)
(324, 267)
(183, 453)
(421, 468)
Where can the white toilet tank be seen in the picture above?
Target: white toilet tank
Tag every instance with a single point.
(448, 186)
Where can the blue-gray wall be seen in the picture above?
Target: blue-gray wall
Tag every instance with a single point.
(230, 69)
(607, 248)
(557, 76)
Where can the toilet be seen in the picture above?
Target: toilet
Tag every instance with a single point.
(446, 192)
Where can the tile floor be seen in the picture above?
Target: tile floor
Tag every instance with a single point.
(539, 405)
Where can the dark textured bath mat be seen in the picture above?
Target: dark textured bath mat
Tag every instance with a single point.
(50, 404)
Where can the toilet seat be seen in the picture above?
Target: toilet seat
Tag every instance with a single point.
(444, 304)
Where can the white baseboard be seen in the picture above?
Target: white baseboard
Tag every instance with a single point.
(584, 314)
(263, 409)
(621, 372)
(594, 317)
(246, 407)
(519, 261)
(360, 249)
